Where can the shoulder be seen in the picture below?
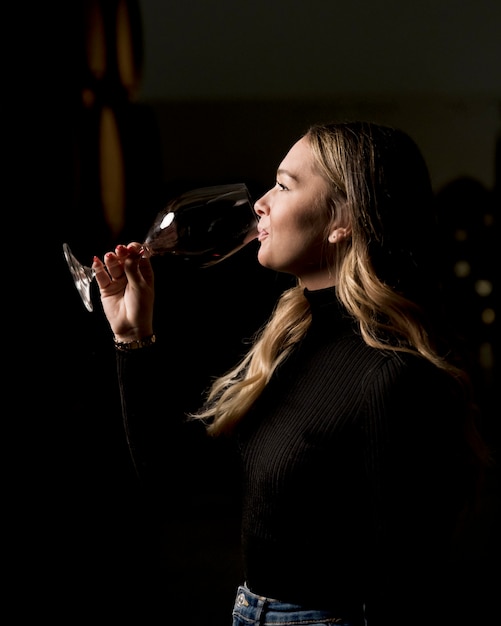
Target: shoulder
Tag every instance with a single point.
(409, 390)
(404, 369)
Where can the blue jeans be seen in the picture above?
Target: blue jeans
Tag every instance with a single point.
(251, 609)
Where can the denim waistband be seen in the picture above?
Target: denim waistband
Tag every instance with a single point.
(252, 609)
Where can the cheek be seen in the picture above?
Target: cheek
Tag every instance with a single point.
(296, 236)
(308, 231)
(298, 243)
(307, 225)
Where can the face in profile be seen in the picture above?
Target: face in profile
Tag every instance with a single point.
(293, 217)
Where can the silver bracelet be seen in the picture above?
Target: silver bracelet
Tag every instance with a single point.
(135, 344)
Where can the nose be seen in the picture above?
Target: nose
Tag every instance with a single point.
(261, 206)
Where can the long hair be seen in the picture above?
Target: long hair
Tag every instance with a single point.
(385, 272)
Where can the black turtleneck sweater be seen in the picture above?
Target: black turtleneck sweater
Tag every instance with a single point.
(351, 467)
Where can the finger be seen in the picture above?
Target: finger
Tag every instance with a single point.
(132, 269)
(102, 277)
(114, 265)
(137, 268)
(133, 250)
(135, 247)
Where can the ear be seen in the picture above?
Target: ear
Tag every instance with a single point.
(339, 234)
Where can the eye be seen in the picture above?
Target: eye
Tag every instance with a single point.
(282, 187)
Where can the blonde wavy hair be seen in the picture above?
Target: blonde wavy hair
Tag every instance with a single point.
(380, 183)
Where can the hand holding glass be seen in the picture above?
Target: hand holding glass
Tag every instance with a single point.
(205, 225)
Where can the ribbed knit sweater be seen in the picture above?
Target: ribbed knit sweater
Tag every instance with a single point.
(351, 468)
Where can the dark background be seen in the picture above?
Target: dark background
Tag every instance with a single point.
(114, 107)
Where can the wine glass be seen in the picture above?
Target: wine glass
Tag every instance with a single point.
(204, 226)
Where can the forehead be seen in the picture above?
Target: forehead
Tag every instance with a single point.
(300, 166)
(299, 157)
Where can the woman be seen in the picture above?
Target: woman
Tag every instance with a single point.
(355, 433)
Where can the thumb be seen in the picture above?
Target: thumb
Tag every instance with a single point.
(146, 270)
(139, 270)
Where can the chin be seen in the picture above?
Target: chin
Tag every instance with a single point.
(262, 260)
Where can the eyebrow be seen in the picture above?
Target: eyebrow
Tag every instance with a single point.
(281, 172)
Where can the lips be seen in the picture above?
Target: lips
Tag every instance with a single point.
(262, 234)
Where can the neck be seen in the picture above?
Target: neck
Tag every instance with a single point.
(317, 281)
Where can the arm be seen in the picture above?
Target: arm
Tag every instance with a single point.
(413, 446)
(154, 391)
(126, 286)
